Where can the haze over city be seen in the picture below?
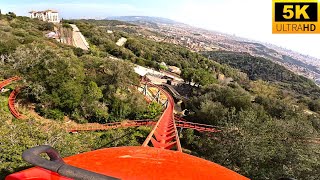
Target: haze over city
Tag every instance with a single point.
(249, 19)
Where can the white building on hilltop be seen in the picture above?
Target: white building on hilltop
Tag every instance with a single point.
(48, 15)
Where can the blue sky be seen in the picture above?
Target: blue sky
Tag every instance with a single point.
(245, 18)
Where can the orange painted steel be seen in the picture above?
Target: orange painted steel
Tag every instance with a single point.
(144, 162)
(178, 118)
(197, 126)
(137, 123)
(138, 163)
(11, 103)
(8, 81)
(165, 135)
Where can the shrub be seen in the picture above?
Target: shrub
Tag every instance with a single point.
(50, 113)
(78, 52)
(66, 25)
(54, 114)
(11, 16)
(314, 105)
(46, 26)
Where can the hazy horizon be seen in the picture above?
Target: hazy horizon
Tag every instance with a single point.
(240, 18)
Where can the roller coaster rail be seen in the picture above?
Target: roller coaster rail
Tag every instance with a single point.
(12, 96)
(11, 104)
(8, 81)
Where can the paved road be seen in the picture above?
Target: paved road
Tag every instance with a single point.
(78, 39)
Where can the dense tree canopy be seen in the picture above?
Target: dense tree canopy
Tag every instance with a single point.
(267, 138)
(261, 68)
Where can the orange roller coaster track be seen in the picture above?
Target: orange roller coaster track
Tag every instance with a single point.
(147, 122)
(12, 96)
(8, 81)
(197, 126)
(165, 135)
(107, 126)
(11, 103)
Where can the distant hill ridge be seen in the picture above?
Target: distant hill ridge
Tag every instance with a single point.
(296, 62)
(149, 19)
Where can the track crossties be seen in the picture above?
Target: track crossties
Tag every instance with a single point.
(164, 135)
(107, 126)
(197, 126)
(137, 123)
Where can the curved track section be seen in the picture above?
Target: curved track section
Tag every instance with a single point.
(102, 127)
(12, 96)
(173, 92)
(8, 81)
(197, 126)
(11, 103)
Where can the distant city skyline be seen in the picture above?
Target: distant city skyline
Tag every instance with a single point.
(249, 19)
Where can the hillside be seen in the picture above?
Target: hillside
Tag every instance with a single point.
(198, 39)
(261, 68)
(266, 127)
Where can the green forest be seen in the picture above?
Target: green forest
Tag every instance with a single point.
(269, 116)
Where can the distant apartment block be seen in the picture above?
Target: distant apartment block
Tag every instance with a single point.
(48, 15)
